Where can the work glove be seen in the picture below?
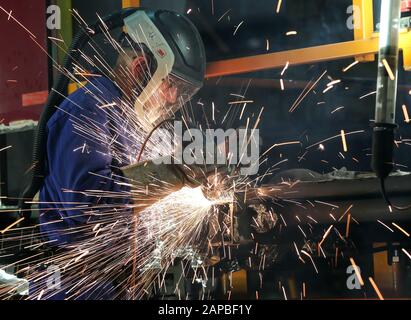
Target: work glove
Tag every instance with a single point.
(153, 182)
(170, 176)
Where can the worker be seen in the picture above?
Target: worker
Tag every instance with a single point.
(160, 65)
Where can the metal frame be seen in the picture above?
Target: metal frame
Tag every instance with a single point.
(363, 48)
(131, 3)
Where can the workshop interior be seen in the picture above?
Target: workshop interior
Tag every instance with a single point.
(92, 93)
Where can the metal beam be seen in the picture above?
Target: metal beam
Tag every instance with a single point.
(363, 29)
(336, 51)
(130, 3)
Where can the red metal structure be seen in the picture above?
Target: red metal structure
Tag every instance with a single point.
(406, 6)
(24, 69)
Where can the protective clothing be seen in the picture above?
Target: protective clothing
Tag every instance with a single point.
(176, 46)
(77, 163)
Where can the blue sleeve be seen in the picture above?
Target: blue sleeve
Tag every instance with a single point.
(78, 163)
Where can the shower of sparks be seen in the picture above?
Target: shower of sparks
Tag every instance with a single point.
(377, 291)
(170, 225)
(389, 70)
(165, 231)
(305, 92)
(116, 237)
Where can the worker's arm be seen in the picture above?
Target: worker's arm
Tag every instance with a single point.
(153, 182)
(77, 164)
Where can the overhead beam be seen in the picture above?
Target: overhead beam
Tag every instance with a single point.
(364, 28)
(330, 52)
(130, 3)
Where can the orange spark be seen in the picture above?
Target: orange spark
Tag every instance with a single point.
(12, 225)
(374, 285)
(356, 269)
(389, 70)
(347, 230)
(350, 66)
(405, 111)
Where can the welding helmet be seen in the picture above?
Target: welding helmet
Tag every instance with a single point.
(178, 52)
